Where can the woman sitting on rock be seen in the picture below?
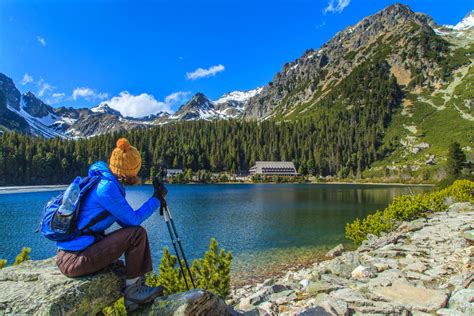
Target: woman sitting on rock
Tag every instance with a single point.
(90, 253)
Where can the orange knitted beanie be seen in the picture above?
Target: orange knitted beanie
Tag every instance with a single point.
(125, 159)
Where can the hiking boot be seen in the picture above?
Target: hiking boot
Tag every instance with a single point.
(140, 293)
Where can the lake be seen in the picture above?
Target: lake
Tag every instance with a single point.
(267, 227)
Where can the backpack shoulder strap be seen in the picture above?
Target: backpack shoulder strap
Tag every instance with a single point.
(103, 215)
(88, 183)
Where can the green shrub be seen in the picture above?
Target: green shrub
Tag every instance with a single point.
(211, 272)
(117, 309)
(3, 263)
(406, 208)
(24, 255)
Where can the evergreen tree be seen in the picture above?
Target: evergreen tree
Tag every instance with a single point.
(455, 161)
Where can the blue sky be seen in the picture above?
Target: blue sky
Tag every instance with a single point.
(80, 53)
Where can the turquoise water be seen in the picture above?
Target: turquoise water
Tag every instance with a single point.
(262, 224)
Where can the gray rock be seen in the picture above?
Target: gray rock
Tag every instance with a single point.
(462, 301)
(258, 297)
(266, 308)
(38, 287)
(416, 267)
(321, 287)
(314, 311)
(336, 251)
(275, 288)
(461, 207)
(411, 297)
(351, 296)
(449, 312)
(361, 272)
(343, 265)
(469, 235)
(194, 302)
(412, 226)
(335, 307)
(284, 294)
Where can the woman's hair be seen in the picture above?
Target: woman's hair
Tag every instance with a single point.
(128, 180)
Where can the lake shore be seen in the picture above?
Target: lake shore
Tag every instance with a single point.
(31, 188)
(58, 187)
(424, 266)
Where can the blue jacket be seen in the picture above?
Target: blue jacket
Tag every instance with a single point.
(108, 195)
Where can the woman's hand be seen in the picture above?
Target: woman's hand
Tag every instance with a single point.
(160, 190)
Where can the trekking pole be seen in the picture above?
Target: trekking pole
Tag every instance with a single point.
(174, 245)
(179, 243)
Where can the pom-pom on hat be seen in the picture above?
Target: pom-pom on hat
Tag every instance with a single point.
(125, 159)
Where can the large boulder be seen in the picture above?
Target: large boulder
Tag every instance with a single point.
(194, 302)
(38, 287)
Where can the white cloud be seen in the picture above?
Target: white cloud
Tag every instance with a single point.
(26, 79)
(88, 94)
(56, 98)
(41, 40)
(177, 97)
(44, 87)
(203, 73)
(340, 6)
(144, 104)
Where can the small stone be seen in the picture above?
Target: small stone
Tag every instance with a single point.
(265, 308)
(268, 282)
(283, 294)
(361, 272)
(321, 287)
(257, 297)
(416, 266)
(286, 299)
(336, 251)
(276, 288)
(304, 283)
(469, 235)
(380, 266)
(283, 309)
(412, 226)
(313, 311)
(461, 207)
(245, 305)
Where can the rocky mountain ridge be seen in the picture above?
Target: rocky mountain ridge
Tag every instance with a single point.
(396, 32)
(27, 113)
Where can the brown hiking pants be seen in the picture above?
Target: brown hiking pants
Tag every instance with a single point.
(133, 241)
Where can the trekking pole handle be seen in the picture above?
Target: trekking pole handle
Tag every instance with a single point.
(163, 205)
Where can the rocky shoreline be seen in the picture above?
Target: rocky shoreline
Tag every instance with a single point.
(424, 267)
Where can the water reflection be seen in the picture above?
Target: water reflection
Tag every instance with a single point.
(260, 224)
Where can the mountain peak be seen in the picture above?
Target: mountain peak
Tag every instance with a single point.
(466, 23)
(105, 109)
(34, 106)
(238, 96)
(398, 7)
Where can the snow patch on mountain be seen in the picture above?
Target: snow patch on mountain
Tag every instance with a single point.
(465, 23)
(40, 126)
(238, 96)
